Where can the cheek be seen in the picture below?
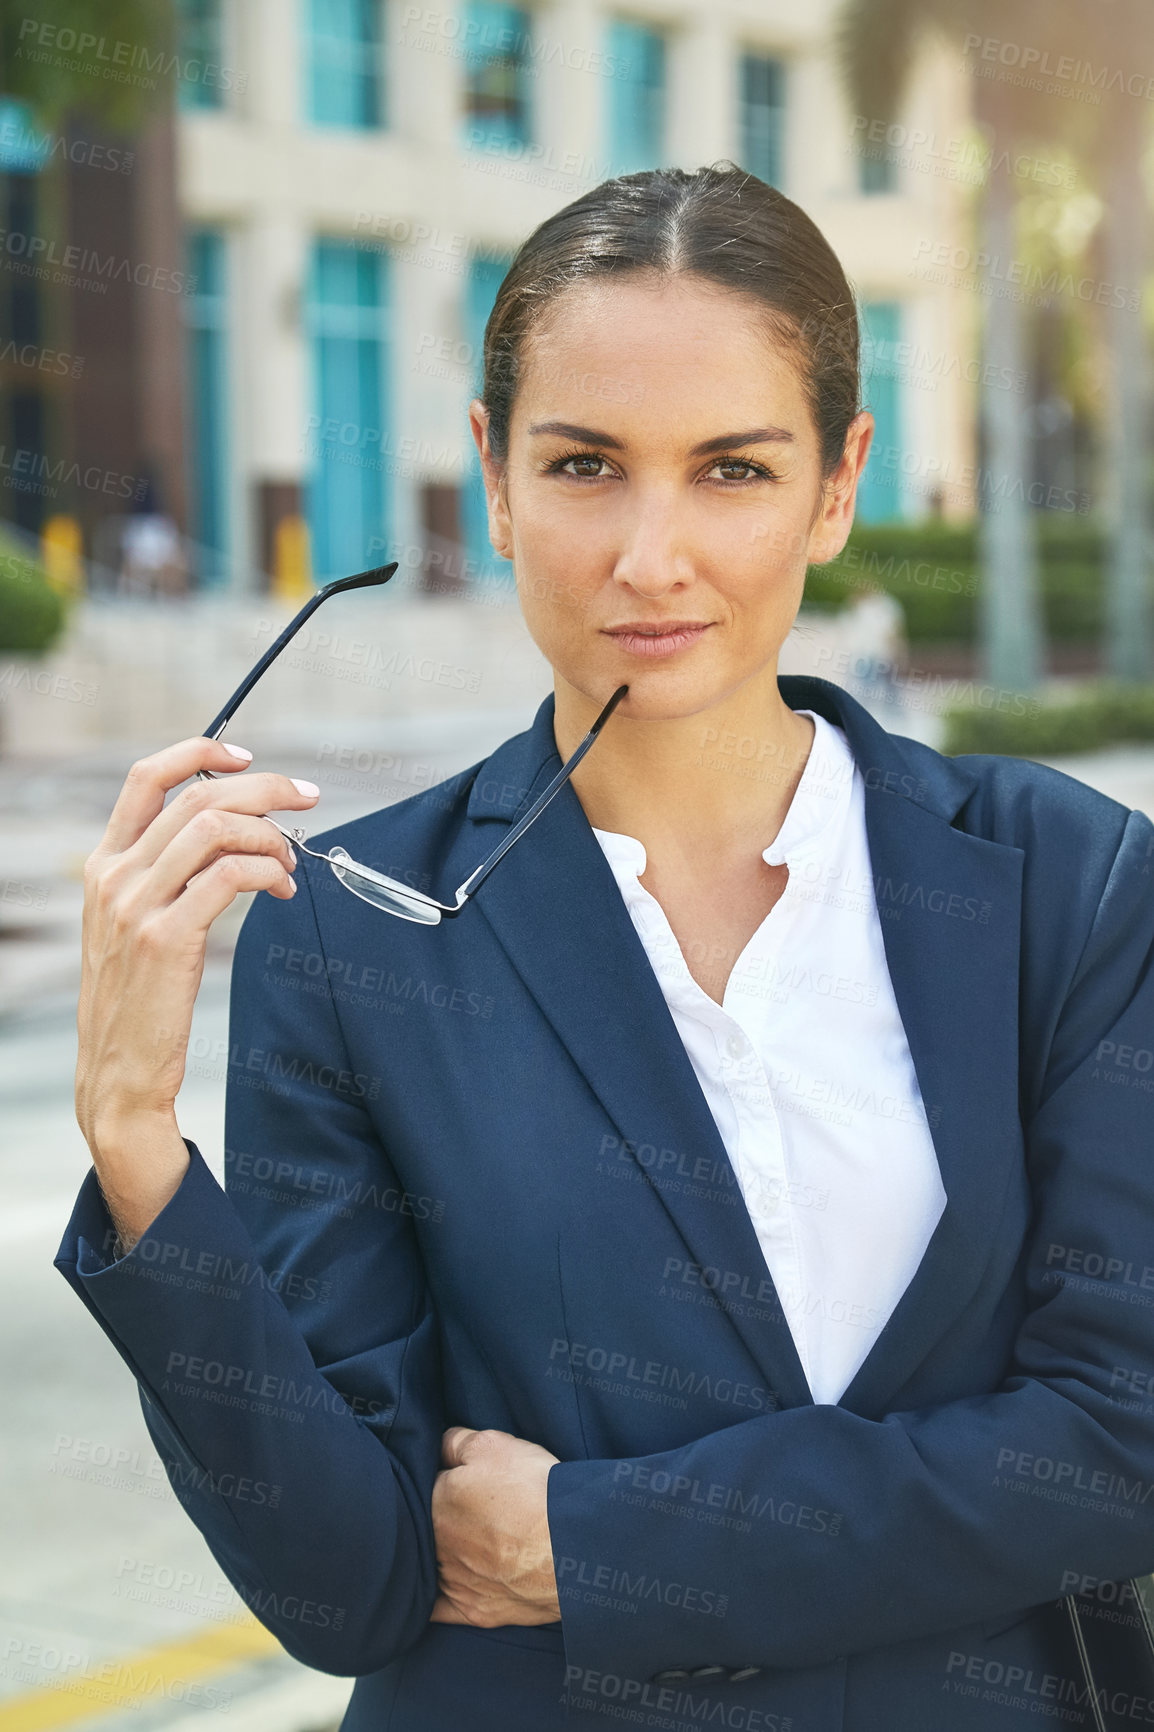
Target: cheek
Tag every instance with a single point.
(552, 606)
(778, 544)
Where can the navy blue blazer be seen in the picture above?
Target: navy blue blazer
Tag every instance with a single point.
(471, 1179)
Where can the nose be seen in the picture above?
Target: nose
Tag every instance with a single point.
(653, 556)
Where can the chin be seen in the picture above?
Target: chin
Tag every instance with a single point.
(657, 694)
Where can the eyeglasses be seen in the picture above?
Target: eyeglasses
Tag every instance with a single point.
(370, 885)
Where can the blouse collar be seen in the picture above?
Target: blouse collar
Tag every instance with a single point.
(821, 793)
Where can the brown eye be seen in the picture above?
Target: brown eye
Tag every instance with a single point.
(753, 471)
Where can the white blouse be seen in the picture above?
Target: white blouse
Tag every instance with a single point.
(808, 1075)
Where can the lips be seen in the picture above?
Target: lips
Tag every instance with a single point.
(656, 628)
(657, 638)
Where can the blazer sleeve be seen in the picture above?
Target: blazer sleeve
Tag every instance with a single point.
(281, 1332)
(952, 1513)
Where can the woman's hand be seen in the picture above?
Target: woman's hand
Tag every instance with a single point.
(153, 886)
(490, 1523)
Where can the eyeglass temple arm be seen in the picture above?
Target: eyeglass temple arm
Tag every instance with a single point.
(539, 805)
(363, 580)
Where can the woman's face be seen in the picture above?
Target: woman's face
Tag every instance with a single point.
(663, 470)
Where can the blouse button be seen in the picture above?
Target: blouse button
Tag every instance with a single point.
(736, 1045)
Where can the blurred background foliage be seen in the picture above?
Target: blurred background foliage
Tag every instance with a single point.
(54, 89)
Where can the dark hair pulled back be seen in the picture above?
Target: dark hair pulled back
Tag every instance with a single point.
(717, 223)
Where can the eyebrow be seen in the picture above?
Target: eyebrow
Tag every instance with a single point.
(721, 442)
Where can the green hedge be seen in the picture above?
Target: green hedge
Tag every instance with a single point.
(31, 613)
(933, 570)
(1100, 715)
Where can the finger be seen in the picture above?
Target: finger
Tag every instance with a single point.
(202, 840)
(453, 1443)
(257, 793)
(150, 779)
(211, 892)
(445, 1612)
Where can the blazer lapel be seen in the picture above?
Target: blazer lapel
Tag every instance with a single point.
(950, 907)
(555, 907)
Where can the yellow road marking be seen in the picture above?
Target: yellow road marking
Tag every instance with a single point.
(145, 1676)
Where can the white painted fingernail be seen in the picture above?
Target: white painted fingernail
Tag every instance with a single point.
(292, 854)
(304, 787)
(238, 752)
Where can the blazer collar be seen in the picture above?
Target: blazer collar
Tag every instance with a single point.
(515, 773)
(950, 906)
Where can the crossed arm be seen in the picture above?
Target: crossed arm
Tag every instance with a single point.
(473, 1538)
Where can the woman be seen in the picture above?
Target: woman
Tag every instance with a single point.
(698, 1283)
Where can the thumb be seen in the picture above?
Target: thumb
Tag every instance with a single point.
(454, 1443)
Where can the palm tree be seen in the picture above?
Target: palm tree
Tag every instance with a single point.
(878, 41)
(1119, 145)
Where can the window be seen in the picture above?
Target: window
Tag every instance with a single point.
(200, 54)
(636, 96)
(343, 60)
(484, 279)
(877, 170)
(347, 320)
(24, 147)
(881, 494)
(762, 116)
(496, 39)
(206, 316)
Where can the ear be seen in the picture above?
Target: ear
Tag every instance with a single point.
(839, 495)
(493, 474)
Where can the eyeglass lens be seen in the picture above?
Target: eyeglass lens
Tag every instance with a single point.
(382, 893)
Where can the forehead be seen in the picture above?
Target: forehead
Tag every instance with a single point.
(634, 338)
(680, 354)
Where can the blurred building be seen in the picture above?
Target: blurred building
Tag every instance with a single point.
(351, 178)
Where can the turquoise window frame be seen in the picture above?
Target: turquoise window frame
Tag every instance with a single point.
(24, 146)
(636, 95)
(877, 172)
(206, 312)
(482, 281)
(200, 38)
(883, 496)
(496, 71)
(343, 70)
(348, 490)
(762, 96)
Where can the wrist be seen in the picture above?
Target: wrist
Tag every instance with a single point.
(133, 1134)
(140, 1163)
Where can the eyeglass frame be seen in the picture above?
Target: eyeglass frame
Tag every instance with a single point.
(414, 904)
